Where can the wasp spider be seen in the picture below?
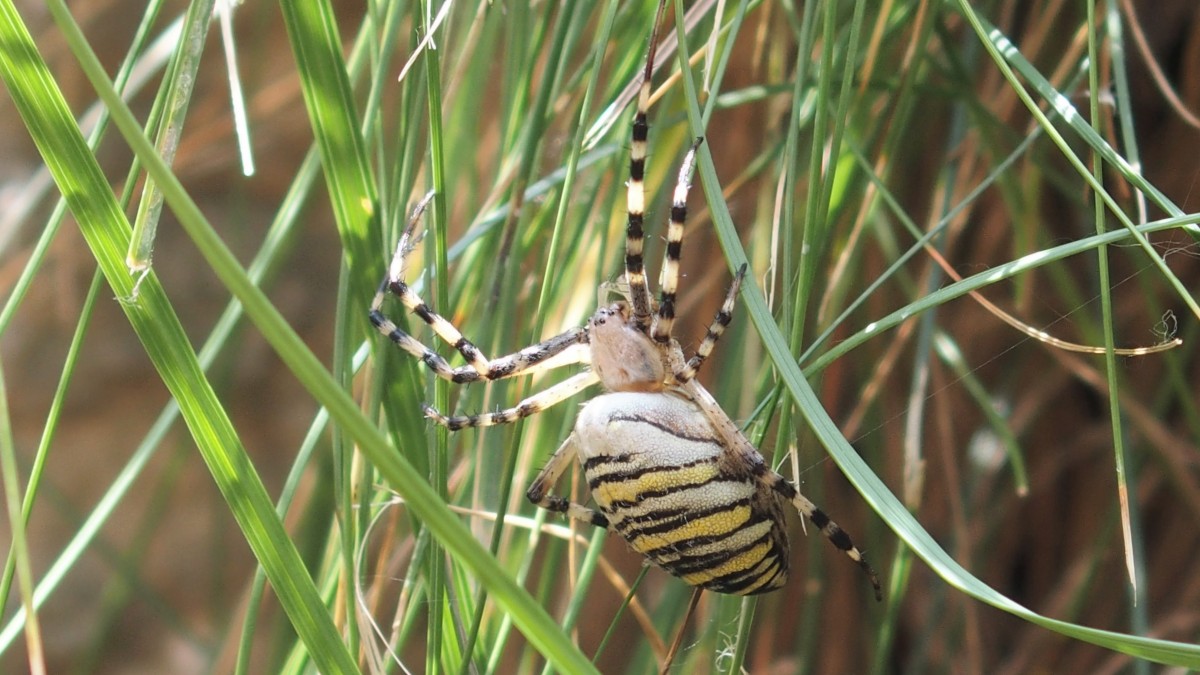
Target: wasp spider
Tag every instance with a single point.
(667, 468)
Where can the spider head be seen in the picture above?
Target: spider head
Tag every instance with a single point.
(624, 357)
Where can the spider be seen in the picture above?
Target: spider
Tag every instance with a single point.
(667, 468)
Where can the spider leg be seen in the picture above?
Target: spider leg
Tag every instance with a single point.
(479, 367)
(548, 477)
(527, 361)
(836, 535)
(563, 349)
(445, 330)
(743, 457)
(664, 320)
(635, 267)
(529, 406)
(715, 330)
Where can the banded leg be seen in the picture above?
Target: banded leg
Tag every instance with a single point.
(548, 477)
(529, 406)
(836, 535)
(715, 329)
(664, 320)
(635, 265)
(743, 454)
(526, 361)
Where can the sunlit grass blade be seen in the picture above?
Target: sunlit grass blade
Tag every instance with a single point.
(177, 91)
(152, 318)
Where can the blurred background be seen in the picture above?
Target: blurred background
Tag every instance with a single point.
(164, 584)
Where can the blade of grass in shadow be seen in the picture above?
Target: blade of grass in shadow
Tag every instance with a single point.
(587, 569)
(950, 354)
(107, 231)
(534, 131)
(20, 550)
(435, 560)
(983, 279)
(877, 495)
(1123, 98)
(1104, 284)
(43, 450)
(104, 226)
(349, 475)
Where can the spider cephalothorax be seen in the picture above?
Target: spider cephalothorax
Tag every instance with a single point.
(667, 468)
(622, 356)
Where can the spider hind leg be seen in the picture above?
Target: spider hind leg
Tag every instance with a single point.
(835, 534)
(716, 329)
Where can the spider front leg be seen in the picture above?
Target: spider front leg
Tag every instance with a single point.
(664, 319)
(479, 367)
(635, 195)
(548, 477)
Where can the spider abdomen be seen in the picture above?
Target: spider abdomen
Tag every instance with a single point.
(653, 464)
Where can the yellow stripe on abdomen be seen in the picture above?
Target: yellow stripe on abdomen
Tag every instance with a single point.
(716, 525)
(742, 563)
(617, 489)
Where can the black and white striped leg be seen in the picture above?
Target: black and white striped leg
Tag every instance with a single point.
(539, 490)
(742, 456)
(635, 264)
(443, 328)
(550, 353)
(715, 329)
(664, 319)
(526, 361)
(836, 535)
(528, 406)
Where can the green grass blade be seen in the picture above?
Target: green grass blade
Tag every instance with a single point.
(20, 547)
(52, 420)
(313, 31)
(178, 87)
